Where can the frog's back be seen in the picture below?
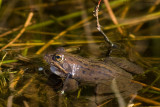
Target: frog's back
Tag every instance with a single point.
(125, 64)
(99, 72)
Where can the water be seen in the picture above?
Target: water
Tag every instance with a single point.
(60, 20)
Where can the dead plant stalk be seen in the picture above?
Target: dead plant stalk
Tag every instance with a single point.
(21, 32)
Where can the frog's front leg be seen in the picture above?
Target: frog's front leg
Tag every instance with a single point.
(69, 85)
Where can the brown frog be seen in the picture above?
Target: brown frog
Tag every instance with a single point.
(95, 73)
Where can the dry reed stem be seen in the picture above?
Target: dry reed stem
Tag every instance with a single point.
(104, 103)
(25, 86)
(43, 5)
(145, 85)
(21, 32)
(11, 31)
(148, 101)
(156, 98)
(60, 35)
(146, 37)
(145, 99)
(26, 104)
(55, 43)
(15, 80)
(10, 101)
(152, 58)
(48, 33)
(112, 15)
(78, 42)
(149, 11)
(1, 62)
(125, 11)
(136, 20)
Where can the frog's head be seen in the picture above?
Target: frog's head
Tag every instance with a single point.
(59, 62)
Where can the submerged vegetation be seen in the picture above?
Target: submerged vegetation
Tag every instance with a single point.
(29, 29)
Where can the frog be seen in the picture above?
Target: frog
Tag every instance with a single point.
(77, 70)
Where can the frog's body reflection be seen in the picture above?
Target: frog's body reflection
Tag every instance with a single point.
(98, 74)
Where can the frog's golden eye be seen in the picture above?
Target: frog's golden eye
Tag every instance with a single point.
(57, 57)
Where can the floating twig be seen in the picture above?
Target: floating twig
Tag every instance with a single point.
(99, 28)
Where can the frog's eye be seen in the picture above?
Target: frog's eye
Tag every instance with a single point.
(57, 57)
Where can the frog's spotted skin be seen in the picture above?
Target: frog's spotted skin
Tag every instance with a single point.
(93, 73)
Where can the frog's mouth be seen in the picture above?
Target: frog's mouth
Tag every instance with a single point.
(57, 69)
